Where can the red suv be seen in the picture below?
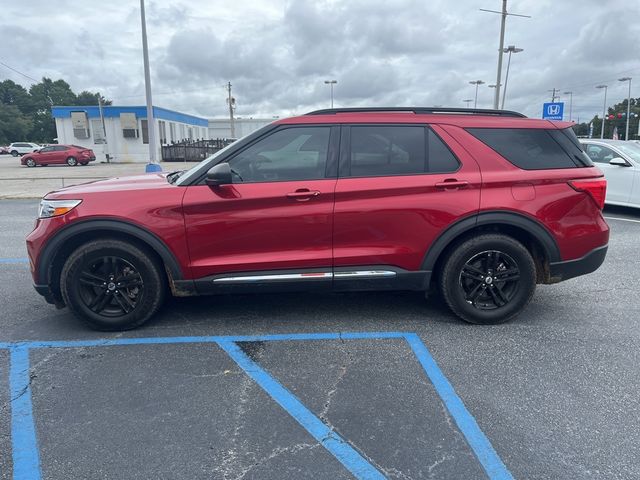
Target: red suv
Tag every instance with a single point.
(72, 155)
(483, 204)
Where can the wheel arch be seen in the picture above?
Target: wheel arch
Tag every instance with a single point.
(57, 249)
(535, 236)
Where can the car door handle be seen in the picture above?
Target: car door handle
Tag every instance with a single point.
(452, 183)
(303, 194)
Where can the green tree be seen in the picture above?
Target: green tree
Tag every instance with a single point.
(620, 108)
(14, 125)
(89, 98)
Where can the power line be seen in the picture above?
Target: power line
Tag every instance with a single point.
(19, 72)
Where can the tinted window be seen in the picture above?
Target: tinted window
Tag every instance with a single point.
(298, 153)
(47, 149)
(439, 158)
(387, 150)
(532, 149)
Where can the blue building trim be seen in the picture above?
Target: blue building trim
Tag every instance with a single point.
(110, 111)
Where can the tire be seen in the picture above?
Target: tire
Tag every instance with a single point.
(72, 162)
(30, 162)
(90, 287)
(84, 163)
(14, 153)
(488, 279)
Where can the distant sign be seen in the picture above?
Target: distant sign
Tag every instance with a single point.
(553, 111)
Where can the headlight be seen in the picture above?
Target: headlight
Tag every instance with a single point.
(55, 208)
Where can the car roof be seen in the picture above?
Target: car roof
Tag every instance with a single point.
(606, 140)
(475, 120)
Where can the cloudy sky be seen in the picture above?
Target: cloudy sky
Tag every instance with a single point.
(277, 53)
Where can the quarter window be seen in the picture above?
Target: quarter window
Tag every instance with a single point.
(298, 153)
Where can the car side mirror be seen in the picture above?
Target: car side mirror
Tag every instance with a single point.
(620, 162)
(219, 175)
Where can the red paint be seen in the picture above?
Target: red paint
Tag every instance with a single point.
(53, 155)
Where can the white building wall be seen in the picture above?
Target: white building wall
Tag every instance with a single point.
(119, 148)
(221, 127)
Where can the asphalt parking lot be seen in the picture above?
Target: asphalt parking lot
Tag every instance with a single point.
(358, 385)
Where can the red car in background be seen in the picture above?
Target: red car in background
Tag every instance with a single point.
(72, 155)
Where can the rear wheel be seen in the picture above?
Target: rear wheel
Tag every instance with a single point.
(112, 285)
(72, 162)
(84, 163)
(30, 162)
(488, 279)
(14, 153)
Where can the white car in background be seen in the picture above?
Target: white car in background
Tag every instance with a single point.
(20, 148)
(620, 162)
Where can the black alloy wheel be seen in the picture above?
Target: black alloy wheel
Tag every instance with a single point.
(488, 278)
(113, 284)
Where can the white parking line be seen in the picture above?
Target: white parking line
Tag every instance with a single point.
(623, 219)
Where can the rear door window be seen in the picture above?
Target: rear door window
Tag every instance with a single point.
(387, 150)
(534, 149)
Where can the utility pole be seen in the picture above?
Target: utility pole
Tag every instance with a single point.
(153, 165)
(553, 94)
(232, 103)
(504, 14)
(104, 129)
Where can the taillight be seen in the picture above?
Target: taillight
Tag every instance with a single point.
(595, 187)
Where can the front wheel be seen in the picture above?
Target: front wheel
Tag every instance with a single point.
(30, 162)
(488, 279)
(112, 285)
(72, 162)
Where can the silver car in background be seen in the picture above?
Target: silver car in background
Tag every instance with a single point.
(620, 162)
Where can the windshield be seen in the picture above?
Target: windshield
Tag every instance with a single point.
(632, 150)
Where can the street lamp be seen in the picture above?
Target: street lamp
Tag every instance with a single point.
(604, 106)
(627, 79)
(510, 49)
(476, 83)
(570, 103)
(331, 83)
(468, 101)
(153, 165)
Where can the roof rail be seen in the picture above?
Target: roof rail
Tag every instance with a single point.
(420, 110)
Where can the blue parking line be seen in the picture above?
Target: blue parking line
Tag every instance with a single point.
(26, 462)
(334, 443)
(479, 443)
(13, 260)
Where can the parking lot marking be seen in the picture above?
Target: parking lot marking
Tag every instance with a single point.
(477, 440)
(26, 463)
(14, 260)
(327, 437)
(24, 440)
(623, 219)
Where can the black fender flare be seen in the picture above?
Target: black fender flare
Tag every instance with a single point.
(54, 244)
(534, 227)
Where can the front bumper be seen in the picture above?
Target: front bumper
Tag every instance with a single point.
(561, 271)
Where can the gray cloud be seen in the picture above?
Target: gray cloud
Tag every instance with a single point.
(277, 53)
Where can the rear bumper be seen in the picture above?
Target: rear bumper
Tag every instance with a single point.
(561, 271)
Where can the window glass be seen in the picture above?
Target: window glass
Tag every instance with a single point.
(529, 149)
(291, 154)
(439, 158)
(387, 150)
(46, 149)
(60, 148)
(600, 154)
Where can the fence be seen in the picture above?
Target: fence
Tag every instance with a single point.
(193, 150)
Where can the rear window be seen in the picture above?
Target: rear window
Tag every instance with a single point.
(534, 149)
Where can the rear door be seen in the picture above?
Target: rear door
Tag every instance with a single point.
(399, 187)
(275, 219)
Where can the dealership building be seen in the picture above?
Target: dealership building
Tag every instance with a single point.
(126, 129)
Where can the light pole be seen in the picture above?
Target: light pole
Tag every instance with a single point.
(604, 106)
(510, 49)
(570, 103)
(331, 83)
(627, 79)
(468, 101)
(476, 83)
(152, 166)
(504, 14)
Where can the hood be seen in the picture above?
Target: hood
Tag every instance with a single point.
(149, 181)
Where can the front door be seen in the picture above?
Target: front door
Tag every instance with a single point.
(274, 222)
